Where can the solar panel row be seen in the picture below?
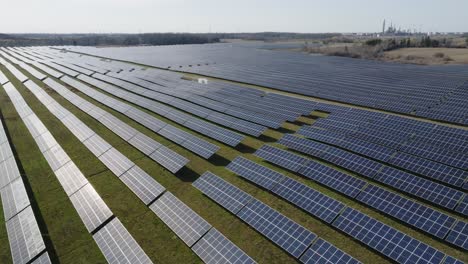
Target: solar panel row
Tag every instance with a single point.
(207, 242)
(430, 169)
(201, 111)
(165, 157)
(400, 180)
(90, 207)
(184, 90)
(122, 249)
(23, 231)
(293, 191)
(415, 214)
(281, 230)
(187, 140)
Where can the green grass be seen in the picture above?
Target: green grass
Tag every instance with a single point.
(74, 245)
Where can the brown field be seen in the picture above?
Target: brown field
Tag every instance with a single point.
(427, 56)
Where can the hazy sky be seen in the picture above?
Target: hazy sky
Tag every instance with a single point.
(134, 16)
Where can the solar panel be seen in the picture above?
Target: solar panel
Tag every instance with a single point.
(34, 125)
(431, 169)
(45, 141)
(452, 260)
(24, 236)
(77, 127)
(303, 145)
(368, 149)
(254, 172)
(169, 159)
(56, 157)
(352, 162)
(422, 217)
(116, 161)
(185, 223)
(308, 199)
(43, 259)
(463, 206)
(282, 158)
(14, 198)
(385, 239)
(18, 74)
(428, 190)
(97, 145)
(142, 184)
(8, 171)
(459, 235)
(144, 143)
(3, 78)
(91, 208)
(118, 245)
(5, 151)
(215, 248)
(323, 252)
(334, 179)
(284, 232)
(222, 192)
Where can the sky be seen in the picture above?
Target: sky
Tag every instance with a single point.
(307, 16)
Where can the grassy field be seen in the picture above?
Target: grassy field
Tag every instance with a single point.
(428, 56)
(72, 244)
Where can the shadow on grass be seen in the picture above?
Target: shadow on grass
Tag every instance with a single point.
(285, 130)
(244, 148)
(34, 206)
(218, 160)
(187, 175)
(265, 138)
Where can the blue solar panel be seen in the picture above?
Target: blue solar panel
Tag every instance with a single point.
(334, 179)
(463, 206)
(430, 169)
(352, 162)
(428, 190)
(427, 219)
(303, 145)
(452, 260)
(286, 233)
(459, 235)
(254, 172)
(327, 136)
(222, 192)
(308, 199)
(385, 239)
(282, 158)
(368, 149)
(323, 252)
(215, 248)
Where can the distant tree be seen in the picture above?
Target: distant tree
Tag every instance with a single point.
(373, 42)
(408, 42)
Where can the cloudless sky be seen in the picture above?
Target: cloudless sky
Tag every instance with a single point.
(137, 16)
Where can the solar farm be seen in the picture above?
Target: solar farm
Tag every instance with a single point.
(229, 153)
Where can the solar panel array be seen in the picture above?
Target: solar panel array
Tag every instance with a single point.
(165, 157)
(435, 92)
(118, 246)
(197, 110)
(422, 217)
(90, 207)
(184, 139)
(24, 236)
(123, 248)
(293, 191)
(429, 158)
(398, 179)
(385, 239)
(287, 234)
